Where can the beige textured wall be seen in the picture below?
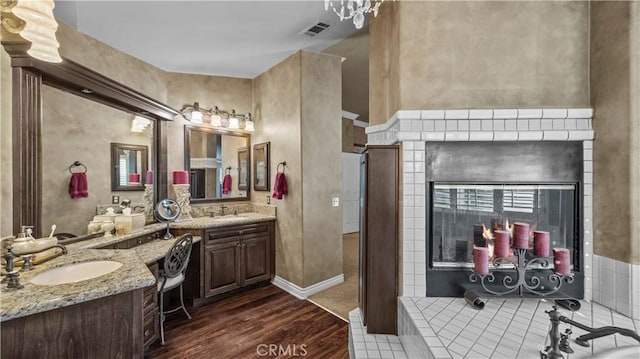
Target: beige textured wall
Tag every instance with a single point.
(634, 191)
(81, 130)
(322, 166)
(615, 93)
(347, 135)
(6, 172)
(384, 64)
(117, 65)
(478, 54)
(277, 108)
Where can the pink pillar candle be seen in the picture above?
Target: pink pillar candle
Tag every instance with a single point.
(134, 177)
(180, 177)
(561, 261)
(149, 178)
(501, 243)
(541, 243)
(521, 235)
(481, 260)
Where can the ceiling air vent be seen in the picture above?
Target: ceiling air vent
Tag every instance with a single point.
(316, 29)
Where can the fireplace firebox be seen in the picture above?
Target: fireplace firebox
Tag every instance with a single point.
(474, 189)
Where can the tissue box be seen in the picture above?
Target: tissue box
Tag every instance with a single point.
(128, 224)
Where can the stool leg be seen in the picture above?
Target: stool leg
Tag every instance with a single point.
(182, 303)
(161, 318)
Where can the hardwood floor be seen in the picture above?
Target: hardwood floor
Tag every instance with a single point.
(263, 323)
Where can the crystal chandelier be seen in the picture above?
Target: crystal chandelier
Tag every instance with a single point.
(355, 9)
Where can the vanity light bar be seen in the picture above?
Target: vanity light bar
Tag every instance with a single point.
(218, 118)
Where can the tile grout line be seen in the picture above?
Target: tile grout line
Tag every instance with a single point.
(615, 338)
(489, 322)
(512, 318)
(529, 326)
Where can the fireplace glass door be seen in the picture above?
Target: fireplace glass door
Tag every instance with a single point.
(464, 216)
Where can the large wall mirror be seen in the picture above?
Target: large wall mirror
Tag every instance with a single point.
(65, 113)
(69, 136)
(218, 164)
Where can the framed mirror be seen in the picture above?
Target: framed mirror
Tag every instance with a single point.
(261, 166)
(43, 95)
(243, 168)
(214, 159)
(129, 165)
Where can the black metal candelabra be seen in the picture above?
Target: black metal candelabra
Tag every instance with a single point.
(517, 281)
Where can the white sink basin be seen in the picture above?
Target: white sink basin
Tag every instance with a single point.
(76, 272)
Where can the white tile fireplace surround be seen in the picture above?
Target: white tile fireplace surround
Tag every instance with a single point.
(414, 128)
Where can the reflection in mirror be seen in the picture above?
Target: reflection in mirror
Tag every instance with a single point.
(213, 159)
(128, 167)
(243, 167)
(167, 211)
(77, 129)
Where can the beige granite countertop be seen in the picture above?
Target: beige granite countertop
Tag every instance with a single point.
(34, 298)
(133, 274)
(221, 221)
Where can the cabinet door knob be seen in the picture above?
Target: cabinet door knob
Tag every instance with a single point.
(147, 332)
(146, 302)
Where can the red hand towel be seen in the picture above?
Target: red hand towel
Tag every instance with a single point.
(280, 186)
(78, 186)
(226, 184)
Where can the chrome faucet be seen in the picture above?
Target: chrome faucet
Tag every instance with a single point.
(560, 342)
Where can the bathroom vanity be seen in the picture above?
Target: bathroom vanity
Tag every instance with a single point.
(229, 252)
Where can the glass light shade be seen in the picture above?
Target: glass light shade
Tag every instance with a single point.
(137, 128)
(233, 122)
(248, 124)
(40, 28)
(196, 116)
(216, 120)
(358, 20)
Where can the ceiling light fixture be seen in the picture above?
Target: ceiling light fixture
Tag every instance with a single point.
(36, 24)
(356, 10)
(218, 118)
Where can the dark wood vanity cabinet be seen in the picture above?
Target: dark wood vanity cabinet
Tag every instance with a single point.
(379, 238)
(237, 256)
(151, 329)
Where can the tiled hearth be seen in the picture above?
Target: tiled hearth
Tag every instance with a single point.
(505, 329)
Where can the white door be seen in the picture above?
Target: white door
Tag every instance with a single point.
(350, 192)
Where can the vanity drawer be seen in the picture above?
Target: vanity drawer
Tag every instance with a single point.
(151, 329)
(235, 231)
(150, 294)
(149, 299)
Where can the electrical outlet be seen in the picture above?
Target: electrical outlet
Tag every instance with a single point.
(268, 199)
(335, 201)
(115, 199)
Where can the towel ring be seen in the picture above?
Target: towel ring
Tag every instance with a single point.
(284, 165)
(227, 171)
(77, 164)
